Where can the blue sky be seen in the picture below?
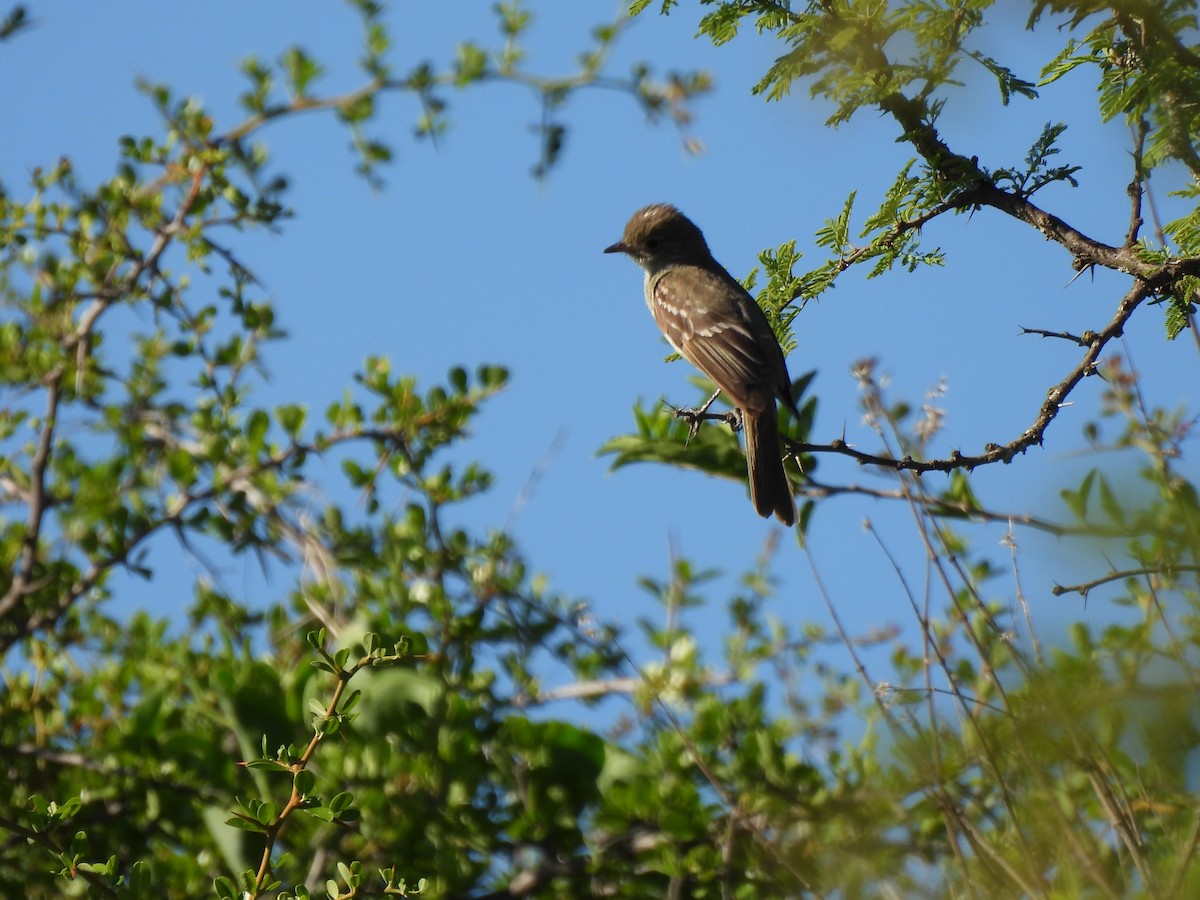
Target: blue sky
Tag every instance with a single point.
(465, 259)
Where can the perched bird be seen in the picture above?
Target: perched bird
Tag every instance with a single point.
(712, 321)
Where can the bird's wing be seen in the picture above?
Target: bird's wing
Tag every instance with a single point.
(706, 319)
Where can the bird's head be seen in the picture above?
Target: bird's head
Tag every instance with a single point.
(659, 235)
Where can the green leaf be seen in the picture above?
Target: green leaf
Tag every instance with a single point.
(341, 802)
(1077, 500)
(291, 418)
(960, 492)
(301, 69)
(1009, 83)
(357, 109)
(1066, 61)
(305, 782)
(471, 64)
(835, 233)
(1109, 503)
(245, 823)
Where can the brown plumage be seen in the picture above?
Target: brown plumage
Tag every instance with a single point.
(715, 325)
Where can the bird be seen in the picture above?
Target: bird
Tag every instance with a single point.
(714, 323)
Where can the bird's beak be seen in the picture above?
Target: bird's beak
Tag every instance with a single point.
(618, 247)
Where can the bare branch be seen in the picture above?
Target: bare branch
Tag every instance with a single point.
(1035, 434)
(1083, 340)
(1083, 589)
(938, 506)
(1135, 188)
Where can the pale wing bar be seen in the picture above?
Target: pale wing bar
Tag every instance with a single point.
(717, 342)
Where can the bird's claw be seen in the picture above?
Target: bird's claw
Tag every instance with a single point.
(697, 416)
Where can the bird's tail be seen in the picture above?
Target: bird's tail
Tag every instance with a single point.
(769, 488)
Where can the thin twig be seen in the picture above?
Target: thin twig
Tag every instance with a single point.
(1084, 588)
(1083, 340)
(1136, 186)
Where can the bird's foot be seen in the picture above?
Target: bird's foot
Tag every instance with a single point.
(695, 416)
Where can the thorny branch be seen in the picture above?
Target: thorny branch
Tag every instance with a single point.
(1033, 435)
(978, 190)
(1083, 340)
(1085, 588)
(937, 506)
(1136, 185)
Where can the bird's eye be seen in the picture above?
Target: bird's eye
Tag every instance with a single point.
(652, 243)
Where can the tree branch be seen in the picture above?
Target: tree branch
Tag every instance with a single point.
(1085, 588)
(977, 189)
(937, 506)
(1135, 188)
(1035, 434)
(23, 577)
(1083, 340)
